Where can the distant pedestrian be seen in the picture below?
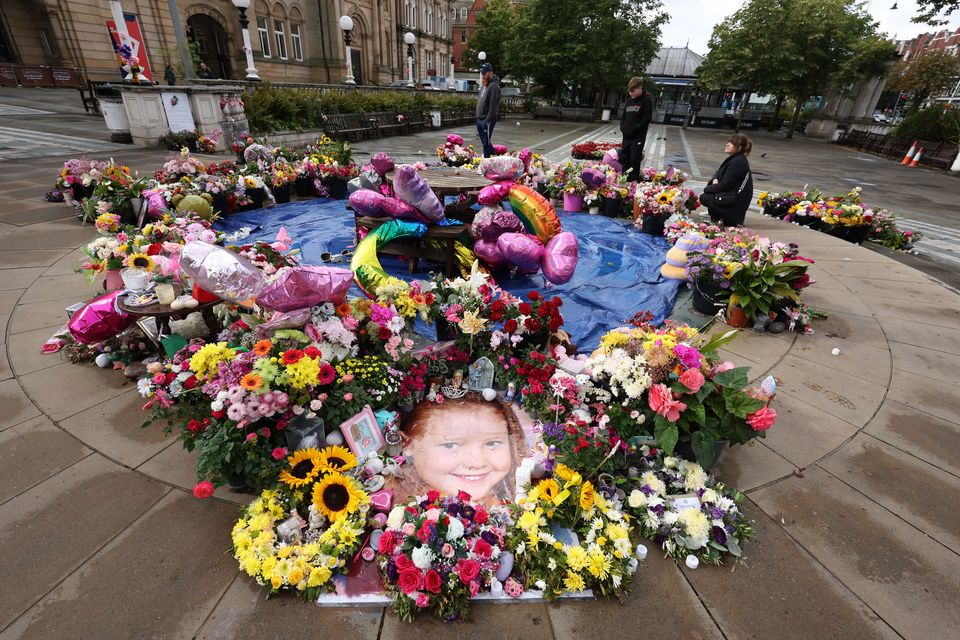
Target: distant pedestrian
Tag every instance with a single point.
(728, 195)
(637, 113)
(169, 76)
(205, 72)
(488, 107)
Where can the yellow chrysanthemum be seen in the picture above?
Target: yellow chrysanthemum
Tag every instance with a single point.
(574, 582)
(304, 468)
(336, 458)
(599, 565)
(204, 362)
(576, 558)
(336, 496)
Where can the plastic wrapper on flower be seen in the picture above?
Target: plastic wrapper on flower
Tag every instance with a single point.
(413, 189)
(284, 320)
(366, 180)
(612, 158)
(156, 205)
(521, 249)
(501, 167)
(499, 149)
(593, 178)
(489, 252)
(494, 193)
(560, 258)
(99, 319)
(525, 157)
(305, 286)
(498, 224)
(382, 163)
(483, 214)
(221, 271)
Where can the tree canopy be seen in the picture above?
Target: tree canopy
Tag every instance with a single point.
(496, 27)
(930, 71)
(935, 12)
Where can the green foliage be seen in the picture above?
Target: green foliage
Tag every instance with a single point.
(496, 27)
(929, 72)
(935, 12)
(939, 123)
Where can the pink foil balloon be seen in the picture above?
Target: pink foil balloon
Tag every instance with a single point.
(521, 249)
(498, 224)
(368, 203)
(382, 163)
(221, 271)
(411, 187)
(494, 193)
(612, 158)
(280, 320)
(305, 286)
(489, 252)
(560, 258)
(99, 319)
(593, 178)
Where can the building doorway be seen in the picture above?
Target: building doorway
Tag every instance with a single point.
(356, 60)
(210, 39)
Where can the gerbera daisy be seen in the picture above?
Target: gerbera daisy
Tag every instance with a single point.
(336, 458)
(251, 382)
(327, 374)
(291, 356)
(336, 496)
(262, 348)
(343, 309)
(304, 468)
(140, 261)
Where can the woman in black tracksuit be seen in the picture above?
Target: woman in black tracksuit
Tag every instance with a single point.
(733, 182)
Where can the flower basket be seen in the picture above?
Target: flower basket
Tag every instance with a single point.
(337, 188)
(611, 206)
(572, 202)
(303, 187)
(652, 225)
(282, 194)
(808, 221)
(706, 297)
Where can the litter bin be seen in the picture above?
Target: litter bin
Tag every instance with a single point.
(436, 119)
(839, 133)
(114, 113)
(605, 116)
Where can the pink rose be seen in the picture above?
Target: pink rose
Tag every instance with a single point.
(279, 453)
(203, 490)
(660, 399)
(474, 587)
(348, 378)
(387, 543)
(251, 437)
(348, 397)
(447, 550)
(763, 419)
(469, 569)
(423, 600)
(409, 529)
(692, 379)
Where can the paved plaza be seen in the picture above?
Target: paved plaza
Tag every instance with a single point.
(851, 491)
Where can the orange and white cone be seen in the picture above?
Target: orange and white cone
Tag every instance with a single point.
(916, 158)
(907, 158)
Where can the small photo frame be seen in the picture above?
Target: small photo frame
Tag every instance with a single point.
(362, 433)
(685, 501)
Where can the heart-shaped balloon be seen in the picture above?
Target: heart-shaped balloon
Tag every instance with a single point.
(521, 249)
(382, 500)
(99, 319)
(560, 258)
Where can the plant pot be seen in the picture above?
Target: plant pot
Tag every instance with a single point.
(776, 212)
(808, 221)
(112, 279)
(737, 318)
(237, 483)
(707, 297)
(282, 194)
(835, 230)
(337, 188)
(857, 235)
(406, 407)
(445, 330)
(221, 202)
(594, 211)
(240, 158)
(685, 450)
(256, 198)
(541, 189)
(652, 225)
(553, 202)
(572, 202)
(303, 187)
(610, 207)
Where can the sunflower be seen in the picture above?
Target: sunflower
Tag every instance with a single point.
(251, 382)
(549, 489)
(304, 468)
(140, 261)
(336, 458)
(587, 496)
(336, 496)
(262, 348)
(663, 198)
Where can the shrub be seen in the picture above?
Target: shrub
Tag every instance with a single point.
(939, 123)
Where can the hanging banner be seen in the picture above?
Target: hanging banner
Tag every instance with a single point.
(136, 43)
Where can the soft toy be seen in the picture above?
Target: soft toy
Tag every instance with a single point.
(675, 268)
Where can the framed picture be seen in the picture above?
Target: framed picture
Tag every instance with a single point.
(362, 433)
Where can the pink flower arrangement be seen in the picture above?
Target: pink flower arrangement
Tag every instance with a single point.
(661, 400)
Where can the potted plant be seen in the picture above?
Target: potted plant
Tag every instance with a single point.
(654, 203)
(282, 174)
(711, 287)
(769, 274)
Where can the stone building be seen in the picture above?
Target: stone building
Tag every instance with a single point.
(292, 40)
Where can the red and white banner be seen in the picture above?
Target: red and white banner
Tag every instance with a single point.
(136, 42)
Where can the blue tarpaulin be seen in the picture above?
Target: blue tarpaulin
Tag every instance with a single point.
(618, 273)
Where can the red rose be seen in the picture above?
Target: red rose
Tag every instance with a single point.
(190, 382)
(194, 425)
(203, 490)
(463, 496)
(468, 570)
(404, 562)
(311, 352)
(154, 249)
(410, 580)
(384, 334)
(481, 515)
(217, 415)
(510, 325)
(525, 308)
(556, 302)
(543, 311)
(387, 543)
(433, 495)
(534, 296)
(482, 548)
(433, 581)
(555, 323)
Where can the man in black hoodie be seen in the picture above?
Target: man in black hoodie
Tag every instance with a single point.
(488, 107)
(637, 113)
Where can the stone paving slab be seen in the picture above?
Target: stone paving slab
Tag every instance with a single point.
(925, 436)
(929, 395)
(840, 394)
(30, 316)
(804, 433)
(751, 465)
(16, 405)
(868, 363)
(5, 371)
(32, 451)
(19, 279)
(941, 338)
(938, 313)
(845, 328)
(527, 621)
(12, 259)
(66, 389)
(59, 288)
(831, 300)
(25, 355)
(177, 467)
(928, 362)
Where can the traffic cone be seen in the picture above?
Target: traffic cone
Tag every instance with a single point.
(910, 153)
(916, 158)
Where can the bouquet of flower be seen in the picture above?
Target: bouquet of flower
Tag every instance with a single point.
(436, 553)
(671, 176)
(680, 507)
(182, 165)
(886, 232)
(663, 201)
(847, 214)
(330, 151)
(454, 153)
(678, 226)
(282, 173)
(565, 178)
(592, 150)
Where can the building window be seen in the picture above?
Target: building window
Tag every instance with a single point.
(264, 36)
(463, 35)
(430, 66)
(428, 17)
(49, 44)
(463, 14)
(413, 13)
(295, 42)
(280, 33)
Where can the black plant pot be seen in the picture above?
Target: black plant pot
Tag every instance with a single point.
(221, 202)
(708, 297)
(337, 188)
(282, 194)
(653, 225)
(303, 187)
(256, 198)
(611, 206)
(835, 230)
(857, 235)
(445, 330)
(685, 451)
(808, 221)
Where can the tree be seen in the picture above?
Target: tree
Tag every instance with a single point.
(929, 72)
(931, 10)
(587, 43)
(496, 27)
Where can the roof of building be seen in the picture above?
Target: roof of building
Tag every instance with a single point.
(675, 62)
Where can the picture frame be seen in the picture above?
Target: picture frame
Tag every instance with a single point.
(362, 434)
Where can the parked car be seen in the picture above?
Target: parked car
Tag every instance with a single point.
(397, 84)
(879, 117)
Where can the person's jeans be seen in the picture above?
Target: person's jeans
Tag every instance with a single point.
(485, 130)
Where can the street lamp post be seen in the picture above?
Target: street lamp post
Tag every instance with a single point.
(346, 25)
(481, 57)
(409, 38)
(452, 85)
(242, 6)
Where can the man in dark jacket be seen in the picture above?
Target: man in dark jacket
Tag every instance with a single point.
(488, 107)
(637, 113)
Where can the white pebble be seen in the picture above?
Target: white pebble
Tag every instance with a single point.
(692, 561)
(836, 351)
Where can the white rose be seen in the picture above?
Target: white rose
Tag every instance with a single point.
(395, 519)
(637, 499)
(454, 529)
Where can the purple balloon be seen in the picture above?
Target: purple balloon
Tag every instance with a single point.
(414, 190)
(560, 258)
(521, 249)
(494, 193)
(290, 320)
(305, 286)
(382, 163)
(498, 224)
(221, 271)
(401, 210)
(99, 319)
(612, 158)
(483, 214)
(156, 205)
(367, 203)
(488, 252)
(593, 178)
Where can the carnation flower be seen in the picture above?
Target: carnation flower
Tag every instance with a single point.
(422, 557)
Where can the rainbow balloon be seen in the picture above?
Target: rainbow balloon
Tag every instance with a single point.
(536, 214)
(367, 272)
